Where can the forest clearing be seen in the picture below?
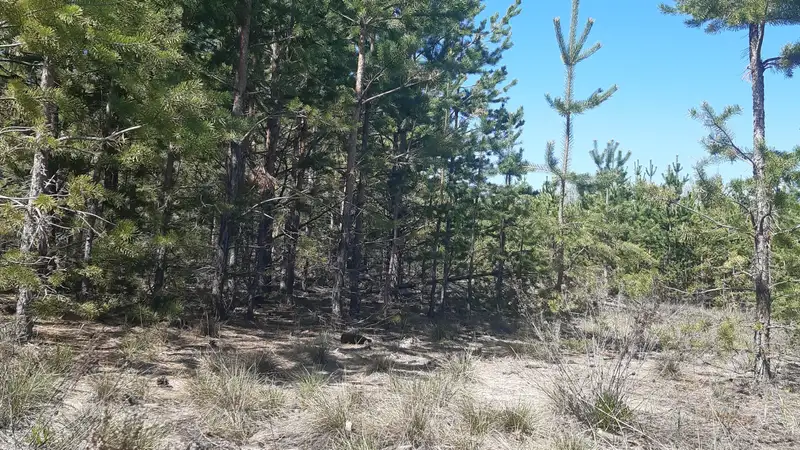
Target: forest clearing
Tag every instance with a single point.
(312, 224)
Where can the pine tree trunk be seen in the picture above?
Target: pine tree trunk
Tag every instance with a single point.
(762, 217)
(448, 234)
(345, 239)
(435, 251)
(234, 170)
(165, 201)
(500, 262)
(292, 225)
(392, 266)
(94, 206)
(33, 238)
(356, 257)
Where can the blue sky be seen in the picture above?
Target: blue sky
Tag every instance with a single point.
(662, 69)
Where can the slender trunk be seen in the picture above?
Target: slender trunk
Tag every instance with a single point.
(345, 241)
(435, 251)
(165, 201)
(393, 261)
(501, 258)
(292, 226)
(762, 217)
(94, 206)
(33, 238)
(448, 233)
(262, 283)
(472, 237)
(356, 257)
(234, 169)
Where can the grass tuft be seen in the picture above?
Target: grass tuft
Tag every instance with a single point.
(518, 419)
(332, 411)
(234, 397)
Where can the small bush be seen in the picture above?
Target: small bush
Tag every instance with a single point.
(417, 404)
(234, 398)
(599, 401)
(318, 352)
(443, 331)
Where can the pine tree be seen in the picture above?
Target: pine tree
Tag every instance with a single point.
(572, 52)
(753, 16)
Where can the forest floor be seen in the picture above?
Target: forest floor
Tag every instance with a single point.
(672, 377)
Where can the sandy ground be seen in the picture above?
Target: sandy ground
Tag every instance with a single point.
(711, 403)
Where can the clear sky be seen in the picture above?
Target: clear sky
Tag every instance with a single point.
(662, 69)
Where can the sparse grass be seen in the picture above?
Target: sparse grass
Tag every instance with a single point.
(517, 419)
(569, 442)
(29, 380)
(142, 345)
(601, 401)
(318, 352)
(259, 362)
(127, 432)
(309, 383)
(381, 364)
(234, 397)
(332, 410)
(357, 442)
(460, 367)
(478, 418)
(669, 364)
(112, 387)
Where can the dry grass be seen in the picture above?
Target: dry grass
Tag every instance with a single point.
(233, 397)
(30, 378)
(110, 387)
(611, 386)
(143, 345)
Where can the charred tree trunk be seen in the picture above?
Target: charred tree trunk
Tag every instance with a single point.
(34, 228)
(234, 170)
(762, 214)
(345, 238)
